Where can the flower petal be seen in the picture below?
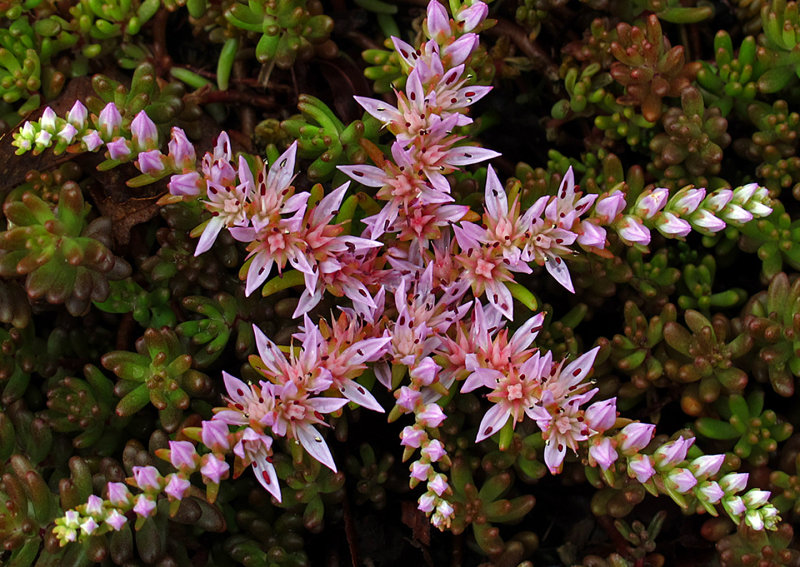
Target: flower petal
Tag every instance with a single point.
(493, 421)
(314, 444)
(357, 394)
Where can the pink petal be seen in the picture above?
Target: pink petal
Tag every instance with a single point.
(327, 405)
(526, 334)
(496, 199)
(487, 377)
(554, 454)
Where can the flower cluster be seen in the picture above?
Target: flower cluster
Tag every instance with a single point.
(450, 272)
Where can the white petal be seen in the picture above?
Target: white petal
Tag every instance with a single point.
(526, 334)
(209, 235)
(258, 272)
(365, 350)
(267, 350)
(236, 388)
(281, 172)
(496, 199)
(580, 367)
(558, 269)
(465, 155)
(492, 422)
(358, 394)
(368, 175)
(265, 473)
(381, 110)
(314, 444)
(327, 405)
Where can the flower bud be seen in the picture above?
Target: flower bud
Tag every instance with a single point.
(601, 416)
(634, 437)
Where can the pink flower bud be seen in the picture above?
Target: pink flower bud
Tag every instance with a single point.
(109, 121)
(607, 208)
(707, 465)
(641, 466)
(144, 132)
(181, 150)
(434, 450)
(67, 133)
(706, 220)
(48, 120)
(94, 505)
(633, 231)
(214, 435)
(601, 416)
(734, 482)
(432, 416)
(649, 203)
(77, 115)
(471, 17)
(420, 470)
(592, 235)
(151, 163)
(407, 398)
(183, 455)
(116, 520)
(634, 437)
(92, 140)
(670, 225)
(734, 506)
(710, 492)
(426, 502)
(412, 437)
(681, 480)
(185, 184)
(717, 200)
(672, 453)
(118, 149)
(603, 453)
(144, 507)
(118, 494)
(438, 22)
(177, 487)
(425, 372)
(147, 478)
(214, 469)
(438, 484)
(756, 498)
(89, 526)
(687, 200)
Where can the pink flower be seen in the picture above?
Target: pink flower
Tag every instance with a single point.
(650, 202)
(426, 502)
(407, 398)
(734, 482)
(472, 16)
(94, 505)
(608, 207)
(68, 133)
(89, 526)
(438, 22)
(256, 449)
